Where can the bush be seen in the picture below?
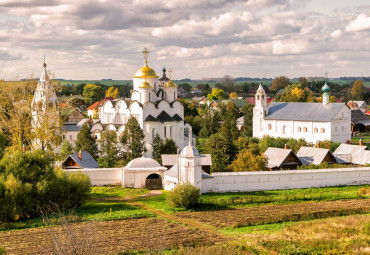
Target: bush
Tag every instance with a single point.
(184, 196)
(2, 251)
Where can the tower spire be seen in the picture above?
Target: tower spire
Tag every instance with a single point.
(325, 88)
(146, 53)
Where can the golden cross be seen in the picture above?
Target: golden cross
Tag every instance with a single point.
(146, 53)
(326, 75)
(170, 72)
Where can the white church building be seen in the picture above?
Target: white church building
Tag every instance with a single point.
(311, 121)
(153, 103)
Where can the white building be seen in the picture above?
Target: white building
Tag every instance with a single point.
(311, 121)
(152, 103)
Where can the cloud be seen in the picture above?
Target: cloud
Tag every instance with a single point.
(361, 23)
(336, 34)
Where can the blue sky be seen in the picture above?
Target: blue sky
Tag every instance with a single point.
(196, 38)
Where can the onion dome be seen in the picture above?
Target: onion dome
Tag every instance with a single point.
(145, 71)
(325, 88)
(145, 85)
(170, 83)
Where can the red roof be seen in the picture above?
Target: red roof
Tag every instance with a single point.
(367, 113)
(92, 107)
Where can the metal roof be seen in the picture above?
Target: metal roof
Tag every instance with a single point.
(171, 159)
(311, 155)
(164, 117)
(71, 126)
(174, 173)
(358, 117)
(361, 104)
(86, 161)
(303, 111)
(276, 156)
(355, 154)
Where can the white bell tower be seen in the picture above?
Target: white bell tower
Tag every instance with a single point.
(259, 111)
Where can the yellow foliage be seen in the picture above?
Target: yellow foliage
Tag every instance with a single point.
(298, 92)
(247, 161)
(233, 95)
(112, 92)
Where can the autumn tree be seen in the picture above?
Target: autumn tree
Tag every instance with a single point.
(109, 149)
(112, 92)
(216, 94)
(85, 141)
(295, 93)
(93, 93)
(133, 139)
(358, 89)
(280, 82)
(233, 95)
(247, 161)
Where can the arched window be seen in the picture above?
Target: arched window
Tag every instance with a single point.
(322, 130)
(304, 129)
(140, 96)
(149, 96)
(174, 95)
(269, 126)
(153, 133)
(284, 127)
(299, 129)
(164, 131)
(258, 97)
(315, 130)
(171, 131)
(263, 97)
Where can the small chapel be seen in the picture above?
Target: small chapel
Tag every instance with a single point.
(153, 103)
(311, 121)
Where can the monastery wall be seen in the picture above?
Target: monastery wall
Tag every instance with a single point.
(293, 179)
(101, 176)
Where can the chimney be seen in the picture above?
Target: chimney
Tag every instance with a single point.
(23, 148)
(285, 146)
(80, 155)
(360, 142)
(318, 145)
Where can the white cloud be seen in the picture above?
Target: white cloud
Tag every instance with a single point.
(336, 34)
(361, 23)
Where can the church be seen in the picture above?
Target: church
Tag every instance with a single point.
(311, 121)
(153, 103)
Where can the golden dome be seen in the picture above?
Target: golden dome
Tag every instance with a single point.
(145, 85)
(170, 83)
(145, 71)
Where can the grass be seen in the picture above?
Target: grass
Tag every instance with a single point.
(115, 191)
(365, 140)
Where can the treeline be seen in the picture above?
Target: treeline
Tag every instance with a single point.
(30, 185)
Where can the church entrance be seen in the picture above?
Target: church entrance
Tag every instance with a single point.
(153, 181)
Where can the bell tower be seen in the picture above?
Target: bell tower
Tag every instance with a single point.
(259, 111)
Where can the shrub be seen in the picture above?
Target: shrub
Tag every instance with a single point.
(184, 196)
(2, 251)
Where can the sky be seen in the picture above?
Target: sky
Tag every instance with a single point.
(195, 38)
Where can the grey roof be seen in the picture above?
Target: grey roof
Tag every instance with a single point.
(358, 117)
(71, 127)
(86, 161)
(174, 173)
(361, 104)
(276, 156)
(311, 155)
(163, 117)
(303, 111)
(240, 121)
(355, 154)
(171, 159)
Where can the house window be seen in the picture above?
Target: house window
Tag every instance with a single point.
(153, 133)
(171, 131)
(269, 126)
(284, 129)
(304, 129)
(322, 130)
(315, 130)
(299, 129)
(165, 129)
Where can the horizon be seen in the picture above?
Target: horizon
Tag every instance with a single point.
(197, 39)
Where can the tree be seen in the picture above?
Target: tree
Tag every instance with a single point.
(157, 144)
(203, 87)
(233, 95)
(66, 150)
(189, 108)
(169, 147)
(295, 93)
(216, 94)
(247, 111)
(93, 93)
(280, 82)
(112, 92)
(247, 161)
(185, 86)
(133, 139)
(85, 141)
(109, 149)
(358, 89)
(221, 150)
(303, 81)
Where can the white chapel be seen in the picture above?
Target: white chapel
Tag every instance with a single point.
(154, 104)
(311, 121)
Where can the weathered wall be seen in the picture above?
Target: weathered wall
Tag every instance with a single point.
(293, 179)
(102, 176)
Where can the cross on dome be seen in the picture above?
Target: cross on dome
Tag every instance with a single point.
(170, 73)
(326, 75)
(146, 53)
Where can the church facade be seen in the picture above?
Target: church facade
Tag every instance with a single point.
(153, 103)
(311, 121)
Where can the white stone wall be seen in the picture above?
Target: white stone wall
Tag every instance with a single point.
(293, 179)
(101, 176)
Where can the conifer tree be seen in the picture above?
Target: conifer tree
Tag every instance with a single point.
(85, 141)
(109, 149)
(157, 144)
(133, 139)
(169, 147)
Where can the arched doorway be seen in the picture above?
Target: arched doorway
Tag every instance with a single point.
(153, 181)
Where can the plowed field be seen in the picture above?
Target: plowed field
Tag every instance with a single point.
(277, 213)
(107, 237)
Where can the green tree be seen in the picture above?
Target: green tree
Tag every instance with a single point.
(189, 108)
(216, 94)
(247, 161)
(185, 86)
(66, 149)
(358, 89)
(112, 92)
(85, 141)
(222, 151)
(295, 93)
(247, 111)
(169, 147)
(280, 82)
(303, 81)
(133, 139)
(157, 144)
(184, 196)
(93, 93)
(109, 149)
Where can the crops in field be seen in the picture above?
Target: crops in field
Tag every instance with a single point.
(109, 237)
(238, 217)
